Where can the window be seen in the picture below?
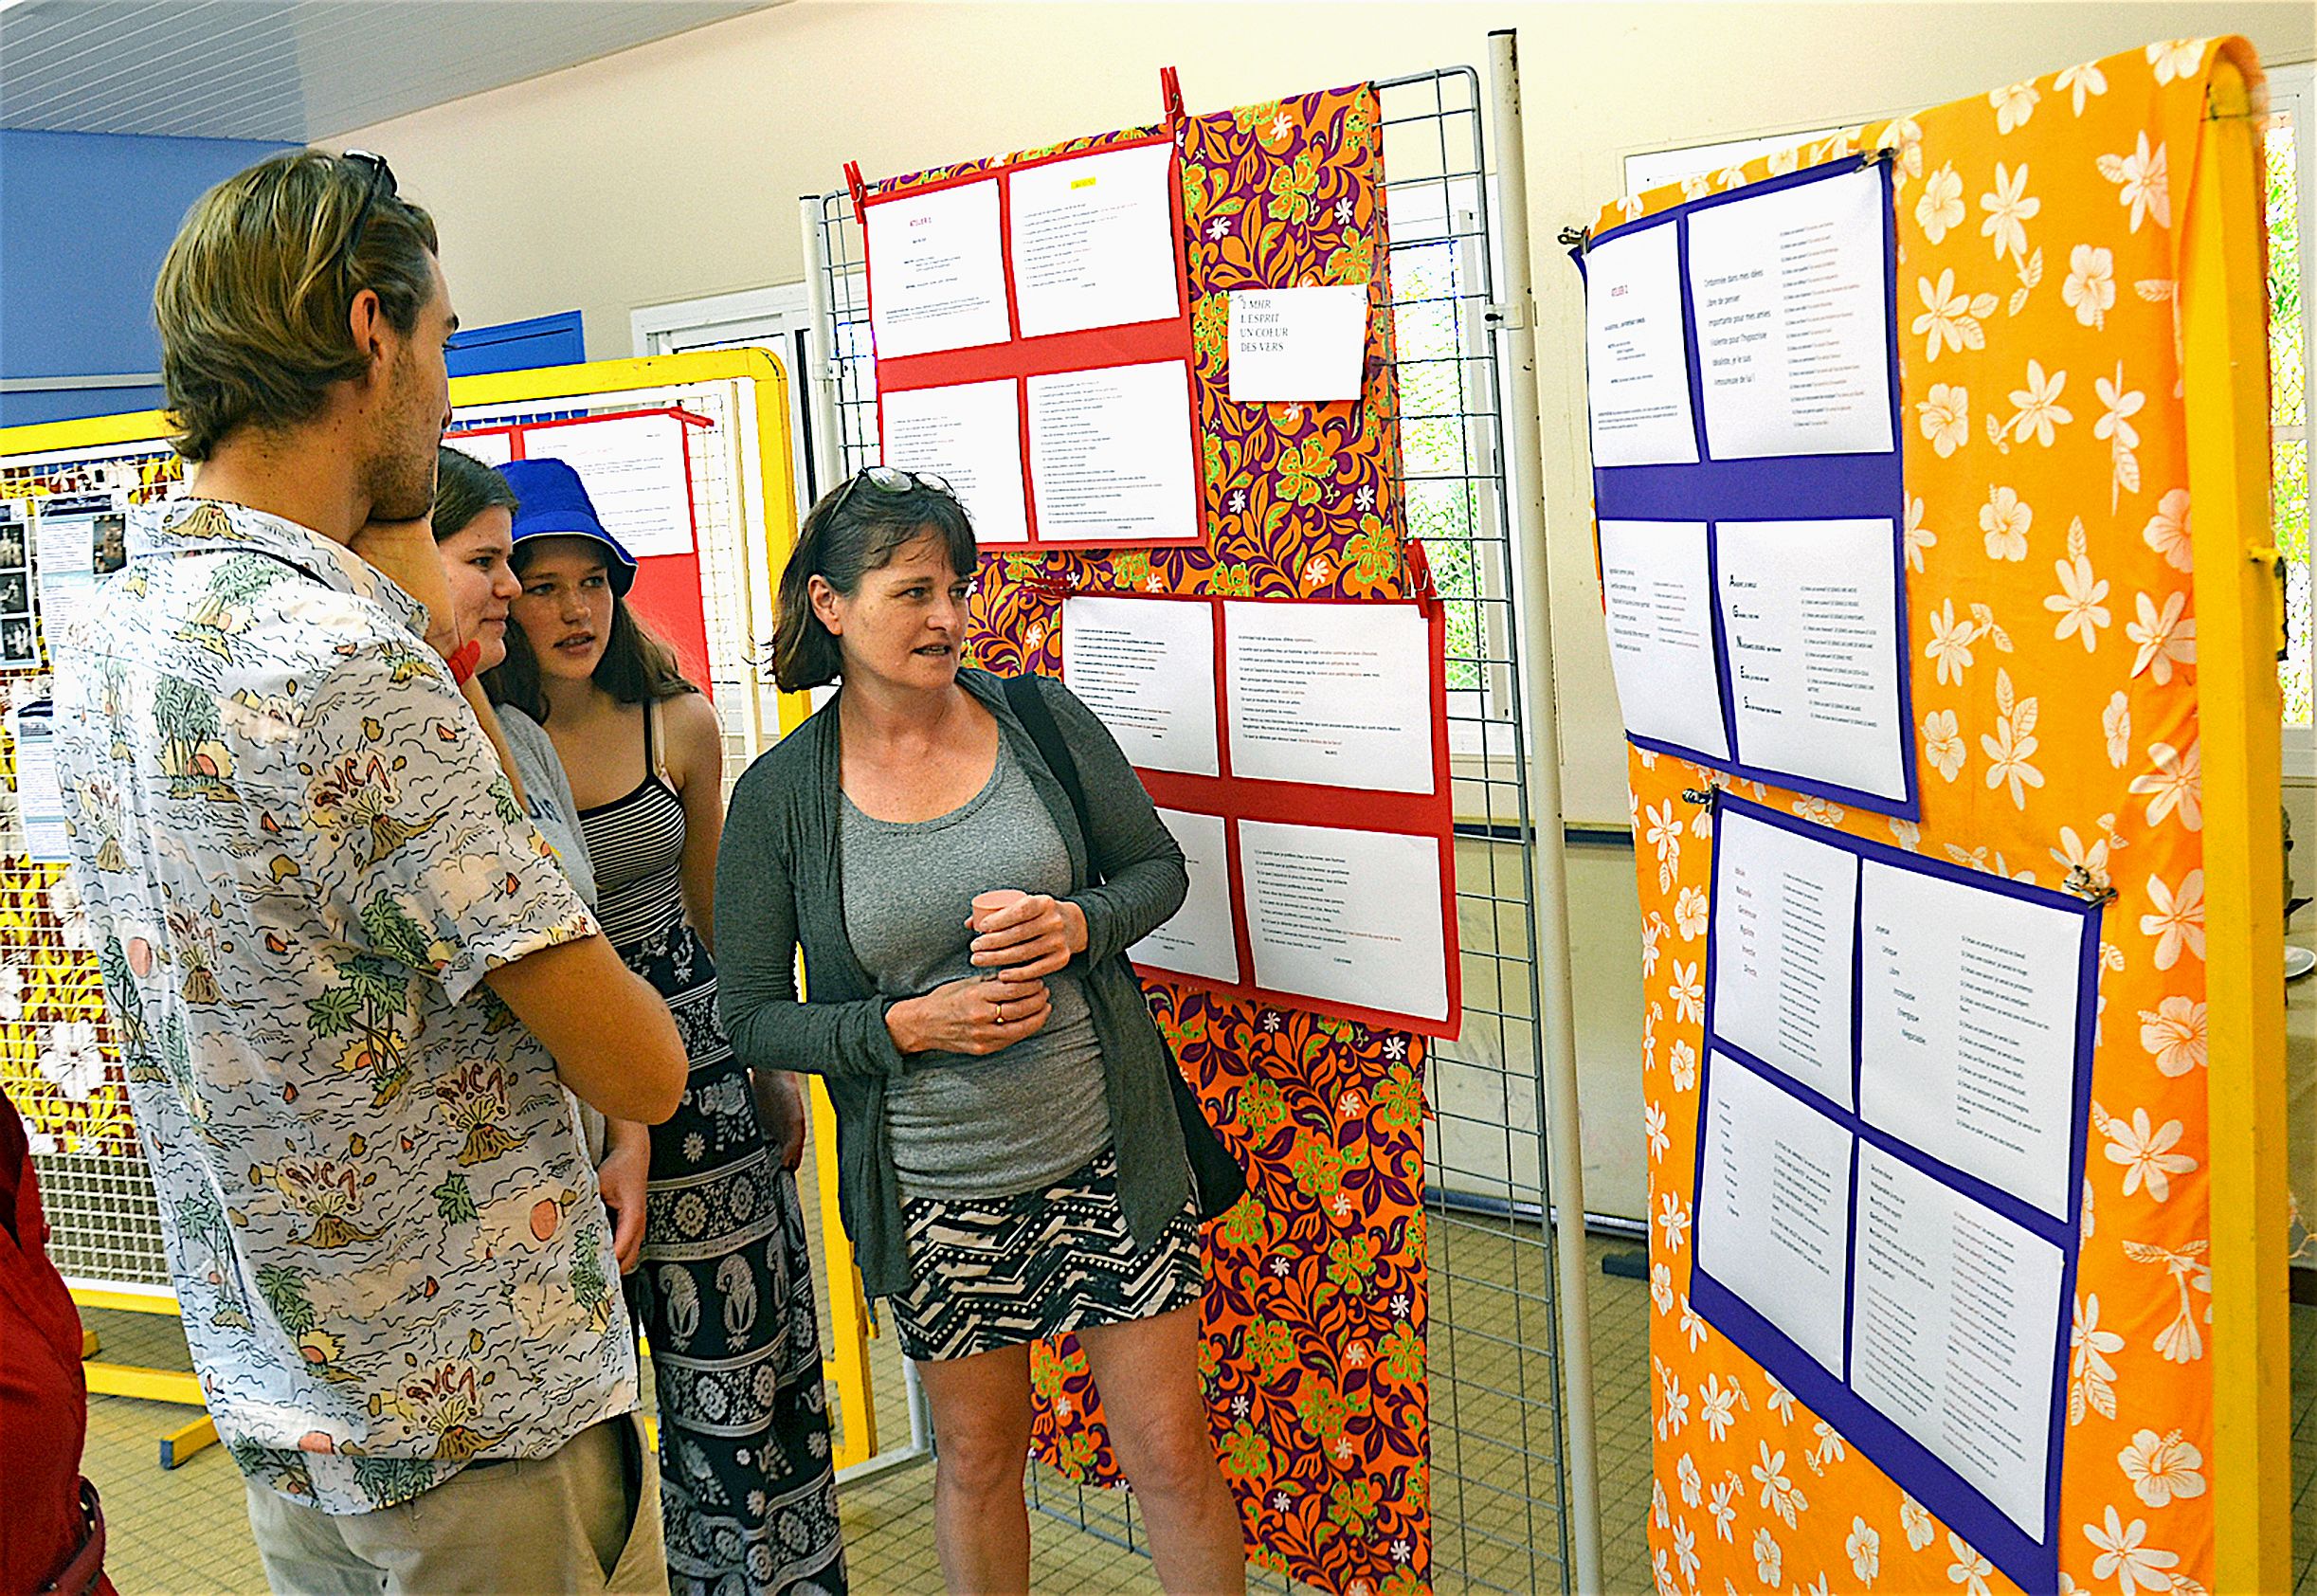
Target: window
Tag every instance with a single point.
(2291, 132)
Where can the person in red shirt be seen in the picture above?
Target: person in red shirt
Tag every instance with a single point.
(51, 1532)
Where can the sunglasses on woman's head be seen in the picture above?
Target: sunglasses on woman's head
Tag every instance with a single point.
(891, 480)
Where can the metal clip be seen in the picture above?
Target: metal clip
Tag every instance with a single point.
(1576, 238)
(1707, 795)
(2081, 882)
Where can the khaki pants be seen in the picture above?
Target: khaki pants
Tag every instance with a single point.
(585, 1519)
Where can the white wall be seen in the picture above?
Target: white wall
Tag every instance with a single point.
(673, 170)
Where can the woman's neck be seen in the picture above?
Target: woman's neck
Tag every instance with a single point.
(573, 699)
(881, 712)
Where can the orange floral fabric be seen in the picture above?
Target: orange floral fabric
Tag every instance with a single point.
(1314, 1311)
(2053, 635)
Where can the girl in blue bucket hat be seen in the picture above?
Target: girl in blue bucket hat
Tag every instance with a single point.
(724, 1288)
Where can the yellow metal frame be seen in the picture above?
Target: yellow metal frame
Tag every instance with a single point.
(2225, 350)
(847, 1361)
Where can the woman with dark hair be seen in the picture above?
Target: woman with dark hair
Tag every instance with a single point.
(1011, 1166)
(474, 533)
(748, 1490)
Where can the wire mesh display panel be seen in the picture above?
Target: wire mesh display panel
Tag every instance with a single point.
(1497, 1476)
(58, 1060)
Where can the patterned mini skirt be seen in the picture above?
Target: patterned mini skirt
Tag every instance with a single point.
(998, 1272)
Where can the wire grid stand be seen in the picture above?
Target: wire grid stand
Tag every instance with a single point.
(101, 1204)
(1499, 1461)
(97, 1199)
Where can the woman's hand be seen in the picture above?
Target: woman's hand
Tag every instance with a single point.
(780, 1110)
(1029, 939)
(976, 1016)
(404, 551)
(622, 1177)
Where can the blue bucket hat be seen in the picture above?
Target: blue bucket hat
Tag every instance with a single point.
(552, 502)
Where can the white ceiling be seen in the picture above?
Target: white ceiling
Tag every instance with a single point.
(297, 69)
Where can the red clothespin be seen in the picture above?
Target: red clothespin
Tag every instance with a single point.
(859, 188)
(1416, 566)
(1170, 94)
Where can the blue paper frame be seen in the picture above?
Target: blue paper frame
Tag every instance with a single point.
(1784, 487)
(2032, 1564)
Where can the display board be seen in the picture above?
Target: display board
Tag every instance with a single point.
(1742, 373)
(637, 467)
(1892, 1095)
(1298, 751)
(1315, 1313)
(2043, 256)
(1033, 342)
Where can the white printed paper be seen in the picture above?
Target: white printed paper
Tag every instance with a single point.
(970, 435)
(1784, 910)
(1111, 456)
(492, 446)
(936, 271)
(1636, 373)
(71, 537)
(1198, 939)
(1774, 1207)
(1095, 242)
(1335, 695)
(1297, 344)
(1658, 596)
(1967, 1028)
(40, 802)
(633, 469)
(1956, 1329)
(1346, 917)
(1790, 293)
(1146, 668)
(1810, 620)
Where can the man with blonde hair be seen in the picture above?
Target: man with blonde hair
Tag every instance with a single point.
(316, 900)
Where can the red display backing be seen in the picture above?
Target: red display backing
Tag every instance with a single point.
(1236, 799)
(667, 592)
(1020, 358)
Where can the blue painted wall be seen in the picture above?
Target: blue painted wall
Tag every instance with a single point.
(84, 220)
(519, 346)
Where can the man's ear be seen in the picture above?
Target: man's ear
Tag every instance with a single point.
(366, 321)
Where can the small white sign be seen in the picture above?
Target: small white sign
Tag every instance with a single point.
(40, 801)
(1291, 344)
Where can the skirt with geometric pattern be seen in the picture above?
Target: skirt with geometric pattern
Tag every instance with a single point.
(990, 1273)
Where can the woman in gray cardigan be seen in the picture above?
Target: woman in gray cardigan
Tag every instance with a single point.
(1010, 1163)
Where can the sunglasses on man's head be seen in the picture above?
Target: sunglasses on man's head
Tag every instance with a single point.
(893, 482)
(381, 180)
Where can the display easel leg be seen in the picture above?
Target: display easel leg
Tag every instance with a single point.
(2225, 359)
(1556, 1012)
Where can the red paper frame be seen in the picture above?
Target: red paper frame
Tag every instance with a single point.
(1018, 359)
(668, 592)
(1233, 799)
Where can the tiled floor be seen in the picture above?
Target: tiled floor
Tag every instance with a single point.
(184, 1530)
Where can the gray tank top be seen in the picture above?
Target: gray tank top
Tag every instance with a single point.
(960, 1127)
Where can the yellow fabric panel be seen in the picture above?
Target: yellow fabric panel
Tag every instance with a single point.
(2053, 680)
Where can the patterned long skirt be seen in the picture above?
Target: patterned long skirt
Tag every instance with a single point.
(724, 1290)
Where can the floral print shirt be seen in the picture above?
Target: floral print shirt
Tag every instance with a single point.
(299, 858)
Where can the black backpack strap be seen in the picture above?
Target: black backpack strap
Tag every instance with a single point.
(1028, 703)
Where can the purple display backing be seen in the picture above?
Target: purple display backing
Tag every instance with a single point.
(1951, 1499)
(1785, 487)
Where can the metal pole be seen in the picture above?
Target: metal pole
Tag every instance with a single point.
(1516, 327)
(819, 352)
(828, 457)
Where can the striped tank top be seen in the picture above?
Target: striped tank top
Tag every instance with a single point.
(635, 843)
